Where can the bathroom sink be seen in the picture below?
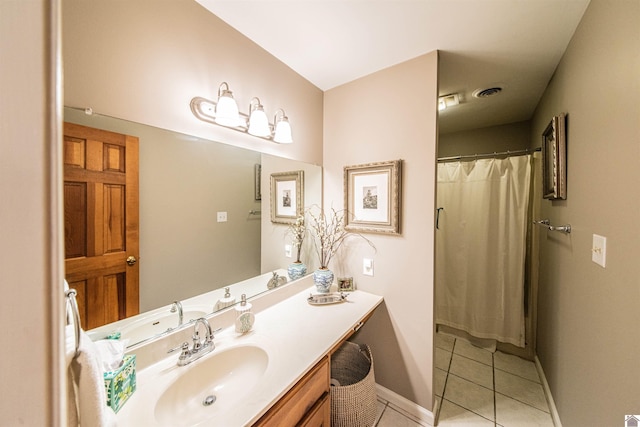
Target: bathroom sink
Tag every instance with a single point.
(156, 324)
(211, 386)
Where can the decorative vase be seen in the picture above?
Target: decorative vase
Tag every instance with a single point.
(296, 270)
(323, 278)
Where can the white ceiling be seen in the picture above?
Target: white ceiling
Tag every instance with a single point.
(514, 44)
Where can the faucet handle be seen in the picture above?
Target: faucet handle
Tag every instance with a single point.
(185, 354)
(184, 346)
(197, 343)
(208, 342)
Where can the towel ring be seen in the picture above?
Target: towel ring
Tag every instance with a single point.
(72, 305)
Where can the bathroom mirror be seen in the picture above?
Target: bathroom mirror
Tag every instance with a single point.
(185, 250)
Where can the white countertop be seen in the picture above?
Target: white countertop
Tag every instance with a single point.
(295, 334)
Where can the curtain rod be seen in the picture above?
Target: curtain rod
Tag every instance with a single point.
(489, 155)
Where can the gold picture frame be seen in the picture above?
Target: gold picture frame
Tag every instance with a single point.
(372, 197)
(554, 159)
(287, 196)
(345, 284)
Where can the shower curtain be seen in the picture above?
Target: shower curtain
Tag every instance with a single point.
(481, 246)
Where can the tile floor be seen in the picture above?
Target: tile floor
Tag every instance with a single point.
(478, 388)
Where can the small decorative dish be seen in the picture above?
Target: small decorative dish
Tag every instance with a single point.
(325, 299)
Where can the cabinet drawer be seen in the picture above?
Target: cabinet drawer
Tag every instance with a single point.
(320, 415)
(293, 407)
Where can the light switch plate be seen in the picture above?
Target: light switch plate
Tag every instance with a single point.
(222, 217)
(287, 251)
(599, 250)
(367, 267)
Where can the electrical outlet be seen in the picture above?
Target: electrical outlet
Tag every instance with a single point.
(287, 251)
(599, 250)
(367, 267)
(222, 217)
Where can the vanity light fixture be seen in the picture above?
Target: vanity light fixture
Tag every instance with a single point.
(224, 112)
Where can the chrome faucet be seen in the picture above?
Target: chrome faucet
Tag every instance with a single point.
(177, 306)
(200, 346)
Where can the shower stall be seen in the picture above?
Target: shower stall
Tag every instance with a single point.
(486, 248)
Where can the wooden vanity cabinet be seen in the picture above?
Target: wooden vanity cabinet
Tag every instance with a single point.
(307, 403)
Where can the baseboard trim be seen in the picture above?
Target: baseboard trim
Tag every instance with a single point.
(408, 407)
(547, 393)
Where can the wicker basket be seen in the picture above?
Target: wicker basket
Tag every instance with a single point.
(353, 387)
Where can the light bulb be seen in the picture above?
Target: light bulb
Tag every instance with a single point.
(226, 108)
(258, 122)
(283, 131)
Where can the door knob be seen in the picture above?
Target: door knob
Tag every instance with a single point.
(131, 260)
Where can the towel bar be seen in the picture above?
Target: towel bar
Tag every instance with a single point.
(547, 224)
(72, 305)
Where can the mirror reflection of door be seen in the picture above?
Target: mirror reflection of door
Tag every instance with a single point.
(101, 223)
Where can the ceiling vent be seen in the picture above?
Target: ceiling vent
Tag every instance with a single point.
(485, 93)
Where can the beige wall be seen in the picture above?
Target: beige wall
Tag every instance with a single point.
(359, 129)
(512, 136)
(588, 333)
(163, 53)
(29, 217)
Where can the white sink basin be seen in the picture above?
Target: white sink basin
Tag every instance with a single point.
(211, 386)
(156, 324)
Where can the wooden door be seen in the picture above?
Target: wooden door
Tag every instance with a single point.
(101, 223)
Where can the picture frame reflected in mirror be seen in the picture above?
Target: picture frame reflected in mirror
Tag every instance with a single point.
(287, 196)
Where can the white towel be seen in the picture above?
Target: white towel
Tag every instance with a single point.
(70, 349)
(88, 387)
(69, 353)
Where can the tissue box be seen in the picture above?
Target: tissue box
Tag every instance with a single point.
(121, 383)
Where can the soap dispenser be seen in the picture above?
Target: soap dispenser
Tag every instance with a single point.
(244, 316)
(227, 301)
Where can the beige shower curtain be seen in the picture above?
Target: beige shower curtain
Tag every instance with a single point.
(480, 246)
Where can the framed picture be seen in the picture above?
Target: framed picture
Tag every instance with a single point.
(287, 196)
(257, 174)
(554, 159)
(345, 284)
(372, 194)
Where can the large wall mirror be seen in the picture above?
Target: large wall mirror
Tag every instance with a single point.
(185, 251)
(131, 70)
